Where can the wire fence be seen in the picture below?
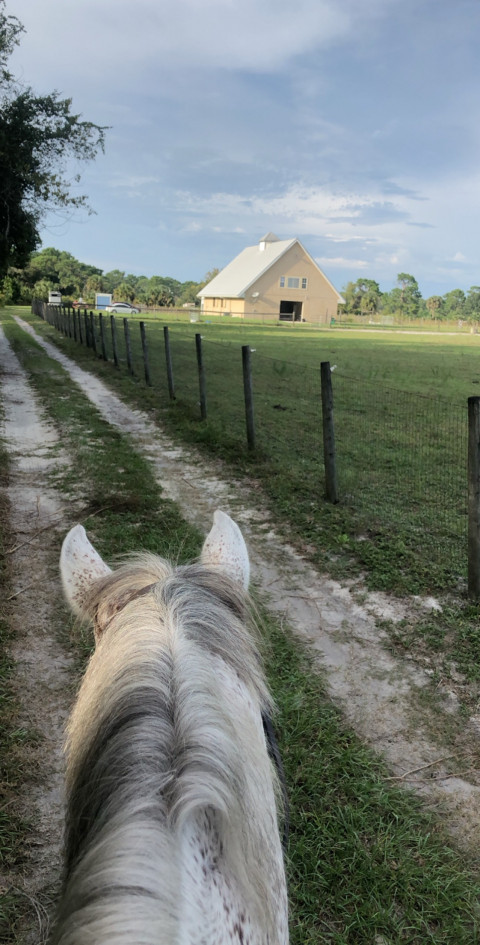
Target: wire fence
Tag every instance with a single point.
(401, 458)
(403, 461)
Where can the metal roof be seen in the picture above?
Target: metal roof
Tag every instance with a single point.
(233, 281)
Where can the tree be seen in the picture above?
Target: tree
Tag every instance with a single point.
(472, 303)
(188, 293)
(60, 269)
(406, 298)
(454, 303)
(112, 279)
(209, 276)
(435, 306)
(39, 136)
(362, 297)
(124, 292)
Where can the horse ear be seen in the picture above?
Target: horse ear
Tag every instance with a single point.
(225, 548)
(80, 566)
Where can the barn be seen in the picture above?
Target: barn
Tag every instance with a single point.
(275, 280)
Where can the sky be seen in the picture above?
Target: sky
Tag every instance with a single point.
(352, 125)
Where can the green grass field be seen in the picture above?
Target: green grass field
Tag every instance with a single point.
(401, 521)
(400, 424)
(366, 865)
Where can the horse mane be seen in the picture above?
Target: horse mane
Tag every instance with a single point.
(152, 743)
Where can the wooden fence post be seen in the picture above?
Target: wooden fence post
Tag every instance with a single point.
(128, 345)
(168, 358)
(92, 329)
(87, 329)
(201, 377)
(102, 337)
(248, 395)
(329, 455)
(143, 336)
(474, 497)
(113, 327)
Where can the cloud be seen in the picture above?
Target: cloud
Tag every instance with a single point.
(131, 181)
(121, 36)
(159, 47)
(299, 209)
(341, 262)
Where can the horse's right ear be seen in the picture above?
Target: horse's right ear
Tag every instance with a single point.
(80, 566)
(225, 549)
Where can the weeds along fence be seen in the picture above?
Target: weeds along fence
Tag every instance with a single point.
(393, 464)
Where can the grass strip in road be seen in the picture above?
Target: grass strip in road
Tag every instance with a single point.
(366, 864)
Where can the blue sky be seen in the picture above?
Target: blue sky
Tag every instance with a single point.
(353, 126)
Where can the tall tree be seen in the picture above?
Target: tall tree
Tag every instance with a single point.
(409, 297)
(39, 135)
(435, 306)
(362, 297)
(454, 303)
(472, 303)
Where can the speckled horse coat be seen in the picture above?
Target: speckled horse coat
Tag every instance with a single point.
(171, 829)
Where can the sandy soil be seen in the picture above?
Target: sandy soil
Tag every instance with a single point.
(377, 692)
(43, 678)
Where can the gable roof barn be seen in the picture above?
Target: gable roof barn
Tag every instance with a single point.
(258, 267)
(237, 277)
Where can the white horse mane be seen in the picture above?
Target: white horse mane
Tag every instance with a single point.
(171, 832)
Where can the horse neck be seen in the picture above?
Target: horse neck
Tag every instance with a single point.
(175, 754)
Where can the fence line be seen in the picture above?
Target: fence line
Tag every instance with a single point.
(401, 458)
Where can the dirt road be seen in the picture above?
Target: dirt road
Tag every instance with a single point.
(377, 692)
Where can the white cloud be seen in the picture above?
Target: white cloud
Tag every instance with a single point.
(128, 41)
(341, 262)
(131, 181)
(120, 37)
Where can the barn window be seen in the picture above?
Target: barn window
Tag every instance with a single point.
(293, 282)
(282, 281)
(304, 282)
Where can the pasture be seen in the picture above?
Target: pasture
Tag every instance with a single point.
(365, 863)
(400, 426)
(401, 521)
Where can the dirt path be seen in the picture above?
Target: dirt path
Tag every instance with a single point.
(377, 693)
(43, 680)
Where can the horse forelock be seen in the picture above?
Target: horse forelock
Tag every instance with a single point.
(153, 737)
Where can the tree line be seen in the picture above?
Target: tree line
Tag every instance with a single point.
(58, 270)
(364, 297)
(51, 268)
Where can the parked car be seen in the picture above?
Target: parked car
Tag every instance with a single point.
(123, 308)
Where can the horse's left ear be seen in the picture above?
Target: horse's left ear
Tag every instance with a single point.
(225, 548)
(80, 566)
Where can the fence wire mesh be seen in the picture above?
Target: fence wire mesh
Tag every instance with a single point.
(401, 457)
(402, 460)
